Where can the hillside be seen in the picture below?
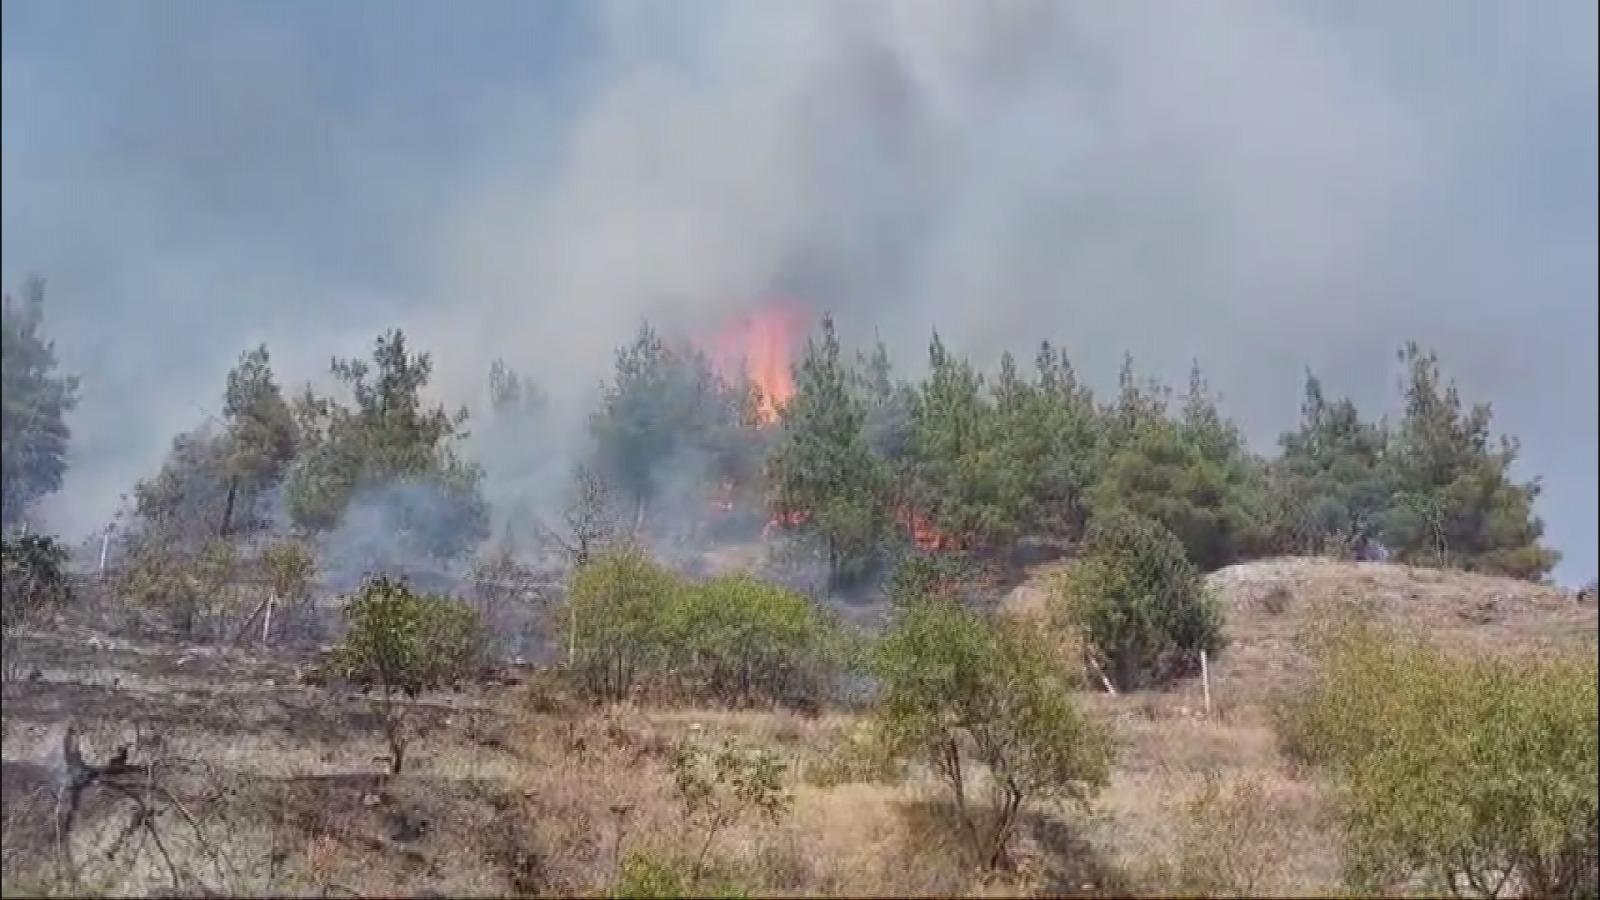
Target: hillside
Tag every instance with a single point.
(515, 788)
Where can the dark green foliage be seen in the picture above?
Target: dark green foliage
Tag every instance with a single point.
(992, 464)
(826, 478)
(1455, 502)
(392, 448)
(1139, 600)
(950, 576)
(665, 417)
(632, 622)
(401, 642)
(212, 485)
(744, 640)
(962, 476)
(34, 401)
(1191, 475)
(262, 435)
(32, 576)
(1327, 492)
(615, 607)
(959, 690)
(1055, 428)
(404, 642)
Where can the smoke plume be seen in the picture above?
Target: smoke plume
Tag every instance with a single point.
(1262, 186)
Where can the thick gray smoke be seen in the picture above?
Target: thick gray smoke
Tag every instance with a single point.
(1262, 186)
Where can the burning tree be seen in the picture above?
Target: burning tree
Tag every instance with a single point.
(825, 477)
(671, 425)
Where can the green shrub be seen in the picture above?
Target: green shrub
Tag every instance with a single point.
(289, 566)
(921, 575)
(647, 875)
(33, 581)
(1468, 773)
(403, 643)
(32, 576)
(186, 585)
(1138, 600)
(742, 639)
(614, 617)
(736, 639)
(958, 690)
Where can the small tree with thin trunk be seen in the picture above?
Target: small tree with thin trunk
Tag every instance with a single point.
(718, 787)
(964, 693)
(403, 643)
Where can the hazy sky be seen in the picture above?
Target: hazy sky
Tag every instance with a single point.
(1264, 186)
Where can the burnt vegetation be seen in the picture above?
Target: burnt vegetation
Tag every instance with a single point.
(340, 544)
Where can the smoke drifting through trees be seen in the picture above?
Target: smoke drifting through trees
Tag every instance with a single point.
(1262, 187)
(858, 460)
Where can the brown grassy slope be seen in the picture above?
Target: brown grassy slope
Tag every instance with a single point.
(521, 796)
(1208, 803)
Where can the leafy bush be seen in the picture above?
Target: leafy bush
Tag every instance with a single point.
(957, 689)
(34, 577)
(404, 643)
(189, 587)
(735, 638)
(289, 567)
(615, 610)
(1472, 773)
(1138, 599)
(918, 576)
(647, 875)
(33, 581)
(741, 639)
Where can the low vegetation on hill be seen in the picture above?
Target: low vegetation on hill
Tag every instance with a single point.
(978, 757)
(1329, 669)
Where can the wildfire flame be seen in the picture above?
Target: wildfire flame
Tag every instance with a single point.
(784, 520)
(762, 345)
(923, 533)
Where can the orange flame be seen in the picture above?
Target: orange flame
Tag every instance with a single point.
(923, 533)
(794, 518)
(762, 344)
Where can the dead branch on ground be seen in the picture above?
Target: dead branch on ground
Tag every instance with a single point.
(147, 789)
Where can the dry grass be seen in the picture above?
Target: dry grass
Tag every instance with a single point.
(524, 791)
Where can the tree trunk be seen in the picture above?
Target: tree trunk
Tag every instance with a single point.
(953, 773)
(393, 733)
(227, 508)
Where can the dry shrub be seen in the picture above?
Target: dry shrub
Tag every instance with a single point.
(857, 755)
(1275, 601)
(1231, 842)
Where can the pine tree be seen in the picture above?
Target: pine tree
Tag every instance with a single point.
(36, 399)
(390, 446)
(1327, 490)
(1455, 501)
(826, 478)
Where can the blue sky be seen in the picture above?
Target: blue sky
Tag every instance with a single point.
(1262, 186)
